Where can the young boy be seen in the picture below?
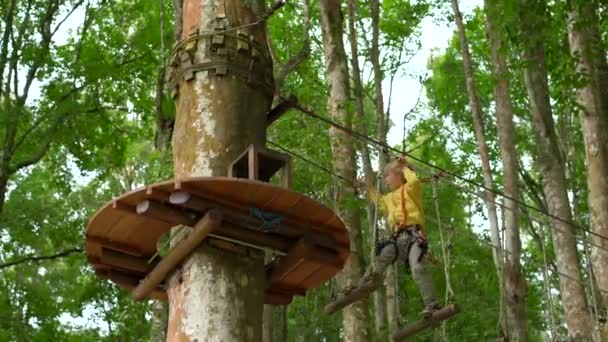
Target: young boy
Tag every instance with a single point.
(403, 210)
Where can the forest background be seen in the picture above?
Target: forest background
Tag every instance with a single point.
(85, 116)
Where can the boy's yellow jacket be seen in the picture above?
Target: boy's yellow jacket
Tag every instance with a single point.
(391, 203)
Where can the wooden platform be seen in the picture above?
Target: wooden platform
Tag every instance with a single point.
(313, 241)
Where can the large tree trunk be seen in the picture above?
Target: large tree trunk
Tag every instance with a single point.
(217, 295)
(551, 166)
(482, 146)
(355, 317)
(590, 61)
(514, 282)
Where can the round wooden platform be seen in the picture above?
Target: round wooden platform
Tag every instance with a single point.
(314, 243)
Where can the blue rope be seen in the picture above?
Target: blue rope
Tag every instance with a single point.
(269, 220)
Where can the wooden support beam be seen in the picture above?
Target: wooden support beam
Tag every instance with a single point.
(178, 253)
(422, 324)
(161, 212)
(197, 203)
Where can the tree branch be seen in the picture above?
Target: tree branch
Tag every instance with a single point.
(299, 57)
(40, 258)
(8, 28)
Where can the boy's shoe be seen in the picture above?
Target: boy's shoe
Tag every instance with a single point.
(429, 310)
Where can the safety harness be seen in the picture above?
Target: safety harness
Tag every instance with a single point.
(415, 232)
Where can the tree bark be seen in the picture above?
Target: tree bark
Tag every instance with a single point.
(482, 146)
(216, 295)
(590, 61)
(158, 324)
(355, 317)
(480, 135)
(514, 282)
(380, 304)
(551, 165)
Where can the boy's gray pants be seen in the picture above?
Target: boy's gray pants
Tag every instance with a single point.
(418, 265)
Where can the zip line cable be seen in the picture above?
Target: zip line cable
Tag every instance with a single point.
(460, 187)
(424, 162)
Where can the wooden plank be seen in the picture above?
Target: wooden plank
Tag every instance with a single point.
(129, 282)
(353, 296)
(115, 245)
(103, 221)
(301, 262)
(287, 289)
(125, 261)
(273, 298)
(178, 253)
(274, 241)
(322, 275)
(418, 326)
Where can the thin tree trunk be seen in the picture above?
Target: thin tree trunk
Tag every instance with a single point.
(216, 295)
(551, 166)
(379, 295)
(480, 136)
(392, 298)
(355, 317)
(515, 283)
(482, 146)
(590, 61)
(158, 324)
(392, 307)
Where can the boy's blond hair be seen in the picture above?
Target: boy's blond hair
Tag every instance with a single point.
(396, 166)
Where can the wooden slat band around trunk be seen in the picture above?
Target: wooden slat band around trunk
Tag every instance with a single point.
(178, 253)
(422, 324)
(125, 261)
(196, 203)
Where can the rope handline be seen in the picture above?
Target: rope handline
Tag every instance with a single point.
(445, 253)
(462, 178)
(546, 281)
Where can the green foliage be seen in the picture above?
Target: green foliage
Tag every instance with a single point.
(87, 135)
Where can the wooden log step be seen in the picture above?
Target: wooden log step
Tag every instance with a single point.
(349, 298)
(418, 326)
